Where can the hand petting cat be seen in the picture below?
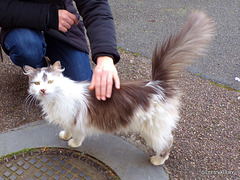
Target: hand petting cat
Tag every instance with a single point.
(105, 71)
(104, 74)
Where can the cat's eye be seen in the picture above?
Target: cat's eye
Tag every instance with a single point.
(36, 83)
(50, 81)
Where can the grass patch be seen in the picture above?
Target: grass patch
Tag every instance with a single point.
(217, 84)
(129, 52)
(224, 86)
(17, 153)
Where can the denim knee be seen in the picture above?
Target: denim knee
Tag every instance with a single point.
(26, 48)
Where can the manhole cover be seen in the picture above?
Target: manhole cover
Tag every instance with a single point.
(54, 163)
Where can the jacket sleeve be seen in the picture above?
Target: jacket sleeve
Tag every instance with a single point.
(15, 13)
(98, 20)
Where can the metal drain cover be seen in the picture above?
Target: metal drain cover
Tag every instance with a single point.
(54, 163)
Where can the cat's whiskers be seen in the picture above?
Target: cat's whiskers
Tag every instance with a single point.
(31, 99)
(27, 100)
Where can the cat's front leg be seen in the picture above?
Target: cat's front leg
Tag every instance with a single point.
(77, 140)
(65, 135)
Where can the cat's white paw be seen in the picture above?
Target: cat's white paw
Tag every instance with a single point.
(64, 135)
(73, 143)
(158, 160)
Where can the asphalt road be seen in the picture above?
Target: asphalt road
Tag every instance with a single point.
(141, 23)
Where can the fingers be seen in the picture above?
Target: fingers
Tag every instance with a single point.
(102, 86)
(117, 81)
(75, 20)
(97, 78)
(104, 75)
(113, 78)
(92, 85)
(66, 20)
(109, 85)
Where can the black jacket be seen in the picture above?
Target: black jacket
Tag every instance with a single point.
(42, 15)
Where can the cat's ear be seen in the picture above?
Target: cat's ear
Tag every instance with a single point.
(57, 68)
(57, 65)
(28, 70)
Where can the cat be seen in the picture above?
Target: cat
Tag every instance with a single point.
(149, 107)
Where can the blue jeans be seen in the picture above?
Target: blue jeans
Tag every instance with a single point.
(28, 47)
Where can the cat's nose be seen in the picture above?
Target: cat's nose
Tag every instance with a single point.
(43, 90)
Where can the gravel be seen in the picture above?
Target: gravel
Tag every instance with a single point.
(206, 141)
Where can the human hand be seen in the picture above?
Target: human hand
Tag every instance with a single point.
(104, 74)
(66, 20)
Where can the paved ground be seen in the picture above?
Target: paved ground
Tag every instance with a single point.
(207, 140)
(140, 23)
(125, 159)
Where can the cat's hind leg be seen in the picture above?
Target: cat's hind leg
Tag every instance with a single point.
(160, 140)
(162, 156)
(65, 135)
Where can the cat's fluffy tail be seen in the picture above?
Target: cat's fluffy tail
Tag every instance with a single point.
(172, 56)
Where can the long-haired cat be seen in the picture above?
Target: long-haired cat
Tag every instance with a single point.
(150, 108)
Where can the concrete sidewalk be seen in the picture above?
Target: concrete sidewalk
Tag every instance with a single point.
(126, 160)
(140, 24)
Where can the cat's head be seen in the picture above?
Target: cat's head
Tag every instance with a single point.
(43, 82)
